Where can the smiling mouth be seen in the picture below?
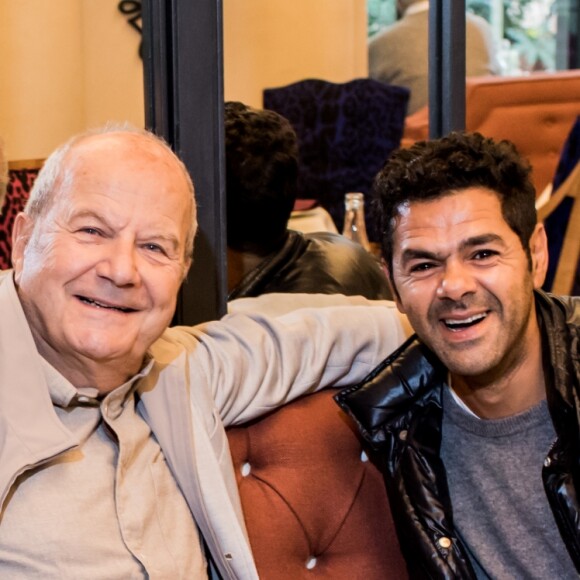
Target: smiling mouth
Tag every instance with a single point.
(455, 325)
(98, 304)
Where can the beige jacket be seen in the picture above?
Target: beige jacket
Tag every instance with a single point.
(204, 378)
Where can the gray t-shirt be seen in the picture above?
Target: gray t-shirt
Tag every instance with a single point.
(500, 509)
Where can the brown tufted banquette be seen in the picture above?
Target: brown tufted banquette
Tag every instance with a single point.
(315, 507)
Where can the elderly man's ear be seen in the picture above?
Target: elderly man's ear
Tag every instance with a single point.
(21, 233)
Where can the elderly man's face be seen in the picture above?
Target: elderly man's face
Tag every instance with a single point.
(99, 273)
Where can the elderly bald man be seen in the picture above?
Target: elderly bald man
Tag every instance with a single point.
(114, 460)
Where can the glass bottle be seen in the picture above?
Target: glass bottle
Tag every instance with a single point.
(354, 220)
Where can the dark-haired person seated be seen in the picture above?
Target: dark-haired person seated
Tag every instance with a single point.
(474, 421)
(264, 256)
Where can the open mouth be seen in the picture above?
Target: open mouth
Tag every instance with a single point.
(97, 304)
(460, 324)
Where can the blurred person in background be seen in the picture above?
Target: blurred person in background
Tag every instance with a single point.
(399, 54)
(264, 256)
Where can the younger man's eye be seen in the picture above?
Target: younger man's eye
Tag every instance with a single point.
(422, 267)
(483, 254)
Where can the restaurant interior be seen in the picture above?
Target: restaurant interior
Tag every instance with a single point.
(70, 65)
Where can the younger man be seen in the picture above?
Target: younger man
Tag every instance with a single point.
(475, 419)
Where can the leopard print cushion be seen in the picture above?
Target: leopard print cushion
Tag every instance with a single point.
(345, 131)
(19, 186)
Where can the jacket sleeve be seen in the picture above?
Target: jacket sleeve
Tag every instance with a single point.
(253, 363)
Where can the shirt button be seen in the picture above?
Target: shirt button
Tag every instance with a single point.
(403, 435)
(444, 543)
(547, 462)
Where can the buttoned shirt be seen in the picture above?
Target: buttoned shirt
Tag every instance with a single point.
(108, 508)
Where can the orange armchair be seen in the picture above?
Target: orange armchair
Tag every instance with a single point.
(536, 112)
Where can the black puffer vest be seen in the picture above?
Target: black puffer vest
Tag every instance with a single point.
(399, 412)
(321, 263)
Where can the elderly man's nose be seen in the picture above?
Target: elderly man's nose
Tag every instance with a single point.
(120, 265)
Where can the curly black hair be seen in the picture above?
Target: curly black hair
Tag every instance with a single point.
(432, 169)
(261, 176)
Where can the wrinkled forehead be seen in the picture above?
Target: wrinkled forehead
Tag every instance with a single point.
(129, 168)
(128, 159)
(130, 148)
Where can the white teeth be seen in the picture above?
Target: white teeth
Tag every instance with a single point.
(99, 305)
(469, 320)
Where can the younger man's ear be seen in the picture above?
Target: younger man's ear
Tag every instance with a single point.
(21, 232)
(539, 254)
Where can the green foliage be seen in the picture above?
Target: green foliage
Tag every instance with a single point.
(381, 13)
(527, 24)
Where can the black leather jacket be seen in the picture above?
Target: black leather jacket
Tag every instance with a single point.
(320, 263)
(399, 412)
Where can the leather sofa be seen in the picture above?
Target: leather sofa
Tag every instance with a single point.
(536, 112)
(315, 507)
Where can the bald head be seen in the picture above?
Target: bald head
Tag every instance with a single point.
(132, 145)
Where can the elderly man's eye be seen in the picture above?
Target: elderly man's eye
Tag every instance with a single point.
(91, 231)
(155, 248)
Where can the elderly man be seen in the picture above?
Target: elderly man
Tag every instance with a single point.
(475, 420)
(114, 461)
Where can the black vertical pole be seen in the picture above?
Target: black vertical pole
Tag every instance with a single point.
(446, 66)
(183, 70)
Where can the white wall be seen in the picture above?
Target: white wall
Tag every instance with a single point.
(66, 65)
(269, 43)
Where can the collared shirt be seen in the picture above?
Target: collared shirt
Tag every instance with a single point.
(417, 7)
(109, 508)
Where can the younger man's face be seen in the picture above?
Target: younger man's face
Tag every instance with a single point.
(464, 280)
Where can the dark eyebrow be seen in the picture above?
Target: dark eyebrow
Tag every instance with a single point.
(412, 254)
(420, 254)
(480, 241)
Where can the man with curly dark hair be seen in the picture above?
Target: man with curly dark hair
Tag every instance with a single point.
(474, 421)
(264, 256)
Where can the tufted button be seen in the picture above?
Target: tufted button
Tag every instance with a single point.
(547, 462)
(364, 457)
(444, 543)
(403, 435)
(246, 469)
(311, 563)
